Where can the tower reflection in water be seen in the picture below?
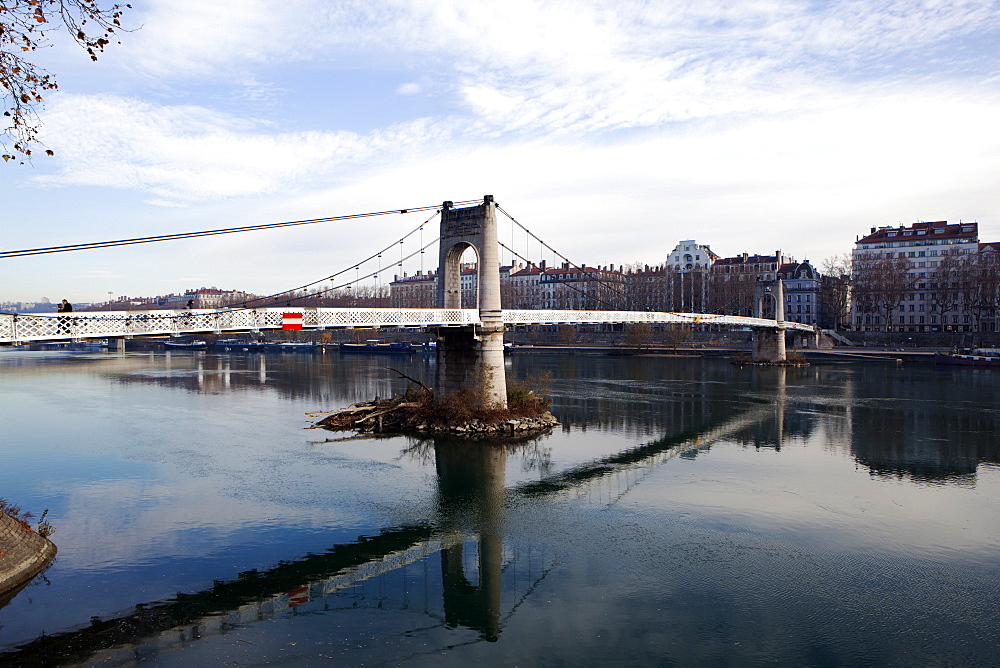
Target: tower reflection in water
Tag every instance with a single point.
(471, 491)
(373, 572)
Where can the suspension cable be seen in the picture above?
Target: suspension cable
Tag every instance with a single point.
(595, 277)
(249, 304)
(206, 233)
(542, 244)
(355, 266)
(568, 285)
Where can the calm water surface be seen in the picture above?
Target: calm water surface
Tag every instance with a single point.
(687, 512)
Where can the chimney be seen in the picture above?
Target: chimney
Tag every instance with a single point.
(873, 230)
(541, 265)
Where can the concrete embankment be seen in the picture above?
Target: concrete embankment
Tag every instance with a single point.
(813, 356)
(23, 553)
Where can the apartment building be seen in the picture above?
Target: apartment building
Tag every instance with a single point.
(920, 278)
(802, 286)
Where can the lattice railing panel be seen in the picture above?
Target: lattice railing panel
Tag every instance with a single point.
(114, 324)
(388, 317)
(534, 317)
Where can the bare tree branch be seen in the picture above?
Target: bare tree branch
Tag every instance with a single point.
(25, 26)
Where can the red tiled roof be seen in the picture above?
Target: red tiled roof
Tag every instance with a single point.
(931, 230)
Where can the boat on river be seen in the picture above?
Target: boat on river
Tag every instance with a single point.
(290, 346)
(235, 345)
(374, 346)
(185, 345)
(976, 357)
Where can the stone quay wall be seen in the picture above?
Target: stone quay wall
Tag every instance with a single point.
(23, 553)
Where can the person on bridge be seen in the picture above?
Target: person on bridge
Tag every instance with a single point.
(64, 307)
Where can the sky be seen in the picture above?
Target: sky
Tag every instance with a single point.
(610, 129)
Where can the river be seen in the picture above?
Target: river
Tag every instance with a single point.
(686, 512)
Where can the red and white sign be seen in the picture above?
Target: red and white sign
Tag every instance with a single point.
(298, 596)
(291, 321)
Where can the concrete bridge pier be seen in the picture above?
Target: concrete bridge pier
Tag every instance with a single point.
(471, 357)
(809, 340)
(769, 343)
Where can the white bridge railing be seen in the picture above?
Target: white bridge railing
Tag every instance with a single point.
(540, 317)
(31, 328)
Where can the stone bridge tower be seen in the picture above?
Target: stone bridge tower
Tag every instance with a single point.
(769, 343)
(471, 356)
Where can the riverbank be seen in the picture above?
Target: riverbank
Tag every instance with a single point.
(23, 554)
(821, 356)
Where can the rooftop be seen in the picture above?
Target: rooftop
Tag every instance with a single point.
(926, 230)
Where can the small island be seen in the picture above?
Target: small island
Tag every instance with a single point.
(420, 412)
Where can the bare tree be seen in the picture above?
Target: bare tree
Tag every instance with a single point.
(944, 292)
(638, 334)
(675, 335)
(25, 26)
(979, 287)
(835, 290)
(880, 284)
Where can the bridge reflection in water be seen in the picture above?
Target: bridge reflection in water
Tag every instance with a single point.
(393, 569)
(482, 581)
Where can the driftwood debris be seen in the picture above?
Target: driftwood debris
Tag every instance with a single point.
(380, 415)
(371, 416)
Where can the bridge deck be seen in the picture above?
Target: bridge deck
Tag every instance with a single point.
(19, 329)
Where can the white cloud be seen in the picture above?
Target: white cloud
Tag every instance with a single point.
(571, 66)
(190, 153)
(610, 124)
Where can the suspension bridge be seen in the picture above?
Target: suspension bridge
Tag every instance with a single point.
(471, 337)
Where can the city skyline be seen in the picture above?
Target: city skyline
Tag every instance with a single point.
(611, 130)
